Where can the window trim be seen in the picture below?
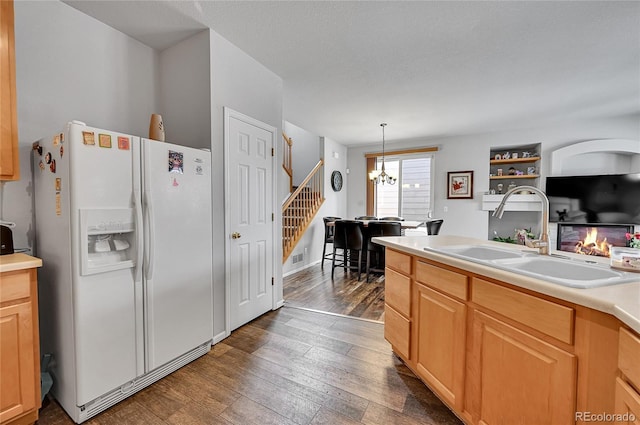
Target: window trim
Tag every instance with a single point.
(372, 159)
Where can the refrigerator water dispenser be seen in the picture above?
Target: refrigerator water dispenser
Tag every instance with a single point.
(108, 240)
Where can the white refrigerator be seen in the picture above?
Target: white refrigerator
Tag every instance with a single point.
(123, 226)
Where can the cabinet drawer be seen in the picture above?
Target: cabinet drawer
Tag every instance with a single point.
(629, 356)
(627, 403)
(398, 261)
(14, 285)
(449, 282)
(397, 330)
(397, 291)
(545, 316)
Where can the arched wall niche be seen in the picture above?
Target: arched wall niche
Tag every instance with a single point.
(602, 156)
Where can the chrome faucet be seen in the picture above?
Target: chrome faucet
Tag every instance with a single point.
(543, 242)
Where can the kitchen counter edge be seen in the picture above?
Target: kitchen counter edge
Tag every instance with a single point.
(19, 261)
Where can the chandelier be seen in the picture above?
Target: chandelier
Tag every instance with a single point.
(381, 176)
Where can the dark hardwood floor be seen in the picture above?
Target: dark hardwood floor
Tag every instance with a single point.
(313, 288)
(290, 366)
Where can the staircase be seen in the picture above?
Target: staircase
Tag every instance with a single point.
(300, 208)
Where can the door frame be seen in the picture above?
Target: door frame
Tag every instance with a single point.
(228, 114)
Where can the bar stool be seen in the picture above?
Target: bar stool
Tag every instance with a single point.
(379, 228)
(328, 238)
(349, 237)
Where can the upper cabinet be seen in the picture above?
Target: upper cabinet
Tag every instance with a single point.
(9, 165)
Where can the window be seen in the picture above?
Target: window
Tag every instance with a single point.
(411, 197)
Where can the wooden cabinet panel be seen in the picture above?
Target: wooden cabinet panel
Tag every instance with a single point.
(9, 165)
(520, 379)
(446, 281)
(398, 261)
(629, 356)
(397, 291)
(16, 366)
(397, 330)
(441, 333)
(627, 404)
(19, 347)
(545, 316)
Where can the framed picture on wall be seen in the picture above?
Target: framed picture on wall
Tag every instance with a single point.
(460, 185)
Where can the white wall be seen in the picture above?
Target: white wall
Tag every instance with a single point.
(241, 83)
(185, 92)
(471, 152)
(335, 205)
(305, 152)
(71, 66)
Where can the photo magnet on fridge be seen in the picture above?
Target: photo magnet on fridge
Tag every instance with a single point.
(176, 162)
(104, 140)
(123, 143)
(88, 138)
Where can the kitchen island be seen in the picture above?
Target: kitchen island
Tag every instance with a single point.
(502, 347)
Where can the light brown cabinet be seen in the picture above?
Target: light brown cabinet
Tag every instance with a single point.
(627, 395)
(9, 164)
(440, 343)
(19, 347)
(520, 379)
(499, 354)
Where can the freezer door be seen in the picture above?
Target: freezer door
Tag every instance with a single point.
(178, 250)
(104, 301)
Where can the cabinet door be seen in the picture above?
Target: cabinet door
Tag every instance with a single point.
(441, 323)
(17, 392)
(521, 379)
(627, 404)
(9, 166)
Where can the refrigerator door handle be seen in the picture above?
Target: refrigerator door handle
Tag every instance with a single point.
(151, 243)
(139, 233)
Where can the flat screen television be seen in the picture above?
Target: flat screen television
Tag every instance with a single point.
(608, 198)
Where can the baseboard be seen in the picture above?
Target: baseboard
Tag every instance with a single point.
(301, 268)
(222, 335)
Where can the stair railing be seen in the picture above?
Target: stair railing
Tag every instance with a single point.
(300, 208)
(287, 164)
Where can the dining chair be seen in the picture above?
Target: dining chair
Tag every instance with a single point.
(349, 237)
(329, 230)
(366, 217)
(392, 218)
(379, 228)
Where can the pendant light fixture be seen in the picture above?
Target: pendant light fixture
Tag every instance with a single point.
(381, 176)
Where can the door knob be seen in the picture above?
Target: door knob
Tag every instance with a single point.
(235, 235)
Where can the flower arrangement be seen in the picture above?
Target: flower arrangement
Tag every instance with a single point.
(634, 239)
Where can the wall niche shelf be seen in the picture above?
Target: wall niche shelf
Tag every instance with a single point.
(515, 161)
(524, 176)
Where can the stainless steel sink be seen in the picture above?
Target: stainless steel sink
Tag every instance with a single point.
(563, 271)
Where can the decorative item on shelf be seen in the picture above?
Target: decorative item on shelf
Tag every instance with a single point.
(381, 175)
(519, 173)
(499, 171)
(500, 187)
(523, 234)
(531, 170)
(514, 155)
(512, 185)
(512, 171)
(526, 154)
(460, 185)
(156, 128)
(634, 239)
(506, 155)
(497, 157)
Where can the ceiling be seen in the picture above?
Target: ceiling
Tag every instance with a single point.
(427, 68)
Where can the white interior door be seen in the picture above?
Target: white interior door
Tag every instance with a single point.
(249, 217)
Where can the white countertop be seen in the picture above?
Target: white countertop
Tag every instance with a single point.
(621, 301)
